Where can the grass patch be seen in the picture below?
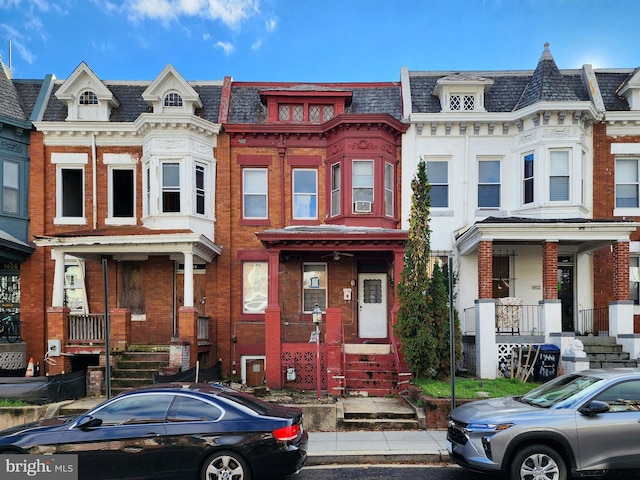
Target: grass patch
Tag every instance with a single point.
(12, 403)
(468, 387)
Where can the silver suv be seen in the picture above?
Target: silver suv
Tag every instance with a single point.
(579, 423)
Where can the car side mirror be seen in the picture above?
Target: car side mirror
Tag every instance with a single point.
(88, 421)
(594, 407)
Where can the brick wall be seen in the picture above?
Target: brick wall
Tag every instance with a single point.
(485, 269)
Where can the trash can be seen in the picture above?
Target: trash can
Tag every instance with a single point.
(546, 366)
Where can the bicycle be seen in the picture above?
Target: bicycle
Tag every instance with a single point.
(10, 328)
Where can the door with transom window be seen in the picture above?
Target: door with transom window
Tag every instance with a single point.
(372, 305)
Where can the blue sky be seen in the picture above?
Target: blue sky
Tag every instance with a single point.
(312, 40)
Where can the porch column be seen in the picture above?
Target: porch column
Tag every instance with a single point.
(58, 279)
(485, 270)
(273, 327)
(398, 266)
(550, 270)
(621, 308)
(188, 279)
(486, 346)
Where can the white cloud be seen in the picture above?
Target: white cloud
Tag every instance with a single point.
(271, 24)
(256, 45)
(226, 46)
(229, 12)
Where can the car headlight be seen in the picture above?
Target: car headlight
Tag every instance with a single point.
(496, 427)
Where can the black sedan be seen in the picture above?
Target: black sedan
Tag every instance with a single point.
(173, 431)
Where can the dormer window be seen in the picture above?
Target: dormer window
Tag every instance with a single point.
(290, 113)
(88, 98)
(298, 105)
(462, 102)
(462, 92)
(173, 99)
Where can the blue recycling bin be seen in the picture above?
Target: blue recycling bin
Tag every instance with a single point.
(547, 363)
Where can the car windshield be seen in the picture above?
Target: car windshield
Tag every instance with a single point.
(558, 390)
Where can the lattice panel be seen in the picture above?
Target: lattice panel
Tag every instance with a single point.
(12, 360)
(505, 351)
(305, 364)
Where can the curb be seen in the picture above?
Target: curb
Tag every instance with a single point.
(343, 458)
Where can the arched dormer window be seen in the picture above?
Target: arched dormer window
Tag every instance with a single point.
(173, 99)
(88, 98)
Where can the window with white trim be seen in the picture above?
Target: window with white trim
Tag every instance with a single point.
(362, 186)
(489, 184)
(171, 187)
(559, 175)
(627, 182)
(255, 287)
(438, 176)
(528, 179)
(173, 99)
(254, 193)
(72, 190)
(88, 98)
(335, 190)
(634, 279)
(314, 286)
(199, 190)
(389, 190)
(464, 102)
(10, 187)
(75, 296)
(147, 176)
(122, 193)
(305, 193)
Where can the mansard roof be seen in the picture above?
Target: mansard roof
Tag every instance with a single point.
(247, 107)
(10, 105)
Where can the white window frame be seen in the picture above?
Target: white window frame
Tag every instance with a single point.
(302, 198)
(531, 179)
(11, 189)
(116, 161)
(634, 279)
(557, 171)
(200, 192)
(488, 183)
(314, 279)
(434, 183)
(264, 192)
(69, 161)
(632, 209)
(169, 189)
(336, 189)
(255, 290)
(359, 190)
(389, 189)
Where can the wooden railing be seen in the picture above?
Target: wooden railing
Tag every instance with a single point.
(86, 328)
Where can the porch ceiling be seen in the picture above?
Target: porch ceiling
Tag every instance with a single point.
(135, 246)
(333, 237)
(587, 235)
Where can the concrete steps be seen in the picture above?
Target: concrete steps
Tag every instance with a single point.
(604, 352)
(135, 369)
(377, 413)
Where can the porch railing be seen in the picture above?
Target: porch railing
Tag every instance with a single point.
(593, 321)
(518, 320)
(86, 328)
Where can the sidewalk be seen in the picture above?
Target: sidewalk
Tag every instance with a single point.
(390, 446)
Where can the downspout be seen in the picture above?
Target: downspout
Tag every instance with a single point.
(94, 181)
(282, 150)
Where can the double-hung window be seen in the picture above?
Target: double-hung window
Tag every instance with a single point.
(10, 187)
(488, 184)
(362, 185)
(335, 190)
(70, 197)
(254, 192)
(527, 179)
(627, 183)
(199, 190)
(389, 190)
(305, 194)
(559, 175)
(438, 176)
(255, 287)
(314, 286)
(170, 187)
(122, 192)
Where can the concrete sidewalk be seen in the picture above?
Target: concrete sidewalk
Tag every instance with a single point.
(390, 446)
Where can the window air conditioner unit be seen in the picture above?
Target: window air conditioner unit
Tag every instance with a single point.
(362, 207)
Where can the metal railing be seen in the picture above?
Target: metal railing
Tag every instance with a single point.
(87, 327)
(518, 320)
(593, 321)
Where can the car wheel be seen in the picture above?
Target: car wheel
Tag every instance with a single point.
(538, 462)
(225, 466)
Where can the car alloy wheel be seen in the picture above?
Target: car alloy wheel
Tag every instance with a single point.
(225, 466)
(538, 462)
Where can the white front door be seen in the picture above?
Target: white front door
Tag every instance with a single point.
(372, 305)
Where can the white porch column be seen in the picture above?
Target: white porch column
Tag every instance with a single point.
(188, 279)
(58, 279)
(550, 318)
(486, 346)
(621, 318)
